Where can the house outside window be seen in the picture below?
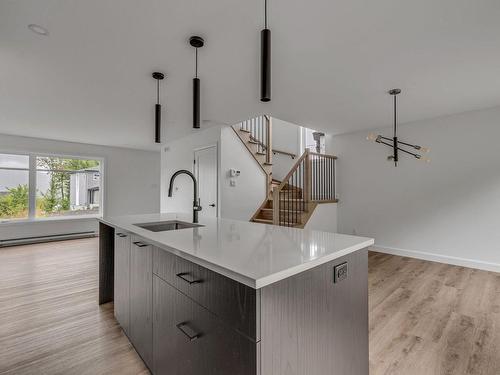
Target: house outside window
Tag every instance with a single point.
(36, 187)
(312, 140)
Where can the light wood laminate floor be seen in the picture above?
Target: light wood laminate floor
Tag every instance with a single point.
(50, 322)
(425, 318)
(430, 318)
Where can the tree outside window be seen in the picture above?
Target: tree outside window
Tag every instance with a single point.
(64, 186)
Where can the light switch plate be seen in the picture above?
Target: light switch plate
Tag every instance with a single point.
(340, 272)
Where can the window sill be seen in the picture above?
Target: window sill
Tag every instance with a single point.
(49, 220)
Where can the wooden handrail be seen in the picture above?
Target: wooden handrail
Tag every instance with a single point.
(310, 181)
(324, 155)
(284, 182)
(269, 140)
(293, 156)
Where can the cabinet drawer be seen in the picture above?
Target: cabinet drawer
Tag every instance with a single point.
(232, 301)
(122, 279)
(189, 340)
(141, 298)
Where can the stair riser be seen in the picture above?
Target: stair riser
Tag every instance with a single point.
(288, 194)
(298, 206)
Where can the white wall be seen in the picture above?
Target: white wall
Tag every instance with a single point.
(179, 154)
(448, 210)
(324, 218)
(131, 183)
(240, 202)
(286, 137)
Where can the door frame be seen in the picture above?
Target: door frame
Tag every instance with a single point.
(217, 166)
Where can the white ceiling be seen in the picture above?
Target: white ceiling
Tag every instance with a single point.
(333, 60)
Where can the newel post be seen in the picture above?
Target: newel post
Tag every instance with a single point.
(276, 206)
(269, 138)
(308, 178)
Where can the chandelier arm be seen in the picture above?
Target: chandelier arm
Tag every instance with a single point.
(416, 147)
(387, 144)
(417, 156)
(386, 138)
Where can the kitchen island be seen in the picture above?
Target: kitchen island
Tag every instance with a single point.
(233, 297)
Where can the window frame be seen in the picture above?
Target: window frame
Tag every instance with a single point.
(32, 183)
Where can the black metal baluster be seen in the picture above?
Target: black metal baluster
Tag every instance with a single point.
(296, 197)
(325, 190)
(315, 177)
(321, 178)
(324, 178)
(334, 182)
(331, 180)
(329, 169)
(288, 206)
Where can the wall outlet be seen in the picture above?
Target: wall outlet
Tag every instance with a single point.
(234, 173)
(340, 272)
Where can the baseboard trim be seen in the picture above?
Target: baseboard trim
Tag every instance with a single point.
(48, 238)
(456, 261)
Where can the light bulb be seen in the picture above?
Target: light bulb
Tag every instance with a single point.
(371, 137)
(425, 159)
(425, 149)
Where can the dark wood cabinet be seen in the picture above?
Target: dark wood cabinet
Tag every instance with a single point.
(184, 319)
(122, 280)
(190, 340)
(232, 301)
(141, 299)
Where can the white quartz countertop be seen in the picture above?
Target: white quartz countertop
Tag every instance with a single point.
(251, 253)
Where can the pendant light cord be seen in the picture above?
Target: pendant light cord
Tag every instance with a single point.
(157, 91)
(265, 14)
(395, 117)
(196, 63)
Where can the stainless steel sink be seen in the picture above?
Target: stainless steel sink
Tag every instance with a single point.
(162, 226)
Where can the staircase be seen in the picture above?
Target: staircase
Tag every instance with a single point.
(294, 211)
(310, 182)
(256, 136)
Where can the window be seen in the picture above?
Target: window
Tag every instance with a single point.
(312, 140)
(14, 187)
(61, 186)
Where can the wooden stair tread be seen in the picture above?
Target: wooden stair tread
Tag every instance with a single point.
(267, 221)
(293, 199)
(244, 131)
(270, 209)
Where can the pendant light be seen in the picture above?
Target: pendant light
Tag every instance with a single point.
(158, 76)
(196, 42)
(265, 60)
(396, 144)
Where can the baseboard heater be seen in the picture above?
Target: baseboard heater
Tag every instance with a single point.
(51, 238)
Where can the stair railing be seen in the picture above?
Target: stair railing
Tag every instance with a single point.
(323, 178)
(260, 129)
(311, 180)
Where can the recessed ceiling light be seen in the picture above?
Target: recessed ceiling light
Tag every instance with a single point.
(38, 29)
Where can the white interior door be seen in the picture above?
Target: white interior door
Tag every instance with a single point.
(205, 166)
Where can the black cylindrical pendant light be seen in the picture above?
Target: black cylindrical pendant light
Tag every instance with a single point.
(158, 76)
(265, 60)
(196, 42)
(196, 103)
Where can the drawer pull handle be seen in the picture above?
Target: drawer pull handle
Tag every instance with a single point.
(122, 235)
(192, 336)
(140, 244)
(183, 275)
